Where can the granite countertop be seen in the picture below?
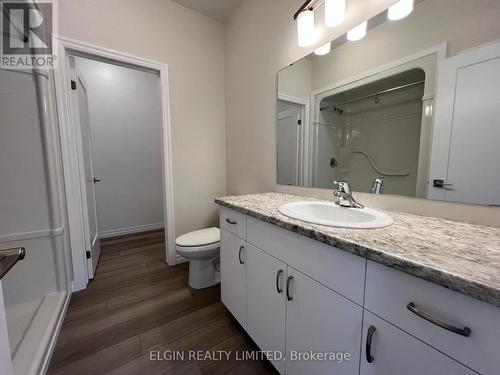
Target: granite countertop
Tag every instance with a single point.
(459, 256)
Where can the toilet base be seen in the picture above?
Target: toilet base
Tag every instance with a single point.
(202, 274)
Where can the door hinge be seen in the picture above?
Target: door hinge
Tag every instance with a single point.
(88, 254)
(299, 122)
(73, 85)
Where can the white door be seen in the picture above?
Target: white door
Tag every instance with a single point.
(289, 120)
(5, 359)
(393, 351)
(266, 302)
(320, 320)
(466, 137)
(233, 275)
(89, 179)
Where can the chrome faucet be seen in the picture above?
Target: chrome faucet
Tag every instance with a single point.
(377, 186)
(344, 196)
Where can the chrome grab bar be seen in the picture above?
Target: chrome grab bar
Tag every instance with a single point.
(9, 257)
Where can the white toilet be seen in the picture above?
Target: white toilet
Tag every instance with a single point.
(201, 248)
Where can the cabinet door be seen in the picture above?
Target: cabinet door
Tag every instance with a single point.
(393, 351)
(233, 275)
(320, 320)
(266, 304)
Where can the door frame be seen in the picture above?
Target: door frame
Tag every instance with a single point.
(303, 151)
(298, 140)
(72, 154)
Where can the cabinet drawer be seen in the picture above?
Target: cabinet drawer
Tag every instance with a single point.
(393, 351)
(233, 221)
(334, 268)
(388, 293)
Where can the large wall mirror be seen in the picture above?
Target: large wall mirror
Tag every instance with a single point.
(412, 109)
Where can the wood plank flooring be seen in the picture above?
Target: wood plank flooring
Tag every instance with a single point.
(137, 304)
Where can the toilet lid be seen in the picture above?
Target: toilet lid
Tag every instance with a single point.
(199, 237)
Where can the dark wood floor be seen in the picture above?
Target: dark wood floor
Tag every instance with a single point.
(137, 304)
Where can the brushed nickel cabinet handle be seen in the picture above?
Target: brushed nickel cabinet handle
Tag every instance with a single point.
(466, 331)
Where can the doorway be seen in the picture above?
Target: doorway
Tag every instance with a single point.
(290, 122)
(115, 148)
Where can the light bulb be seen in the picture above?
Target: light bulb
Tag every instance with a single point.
(400, 10)
(334, 12)
(323, 50)
(358, 32)
(305, 28)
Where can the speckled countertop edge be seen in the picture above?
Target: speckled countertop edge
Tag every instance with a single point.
(475, 273)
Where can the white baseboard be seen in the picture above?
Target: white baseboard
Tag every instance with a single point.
(35, 351)
(131, 230)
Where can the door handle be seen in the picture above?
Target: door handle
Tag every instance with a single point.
(440, 184)
(239, 255)
(96, 180)
(288, 282)
(278, 274)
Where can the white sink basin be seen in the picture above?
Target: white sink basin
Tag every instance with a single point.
(330, 214)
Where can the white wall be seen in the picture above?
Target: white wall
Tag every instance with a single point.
(125, 118)
(295, 80)
(256, 51)
(193, 47)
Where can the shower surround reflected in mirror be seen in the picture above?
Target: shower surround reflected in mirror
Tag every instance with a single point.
(365, 112)
(371, 132)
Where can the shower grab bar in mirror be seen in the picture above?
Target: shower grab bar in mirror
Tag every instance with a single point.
(378, 170)
(331, 107)
(9, 257)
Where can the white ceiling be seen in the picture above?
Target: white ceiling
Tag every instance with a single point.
(216, 9)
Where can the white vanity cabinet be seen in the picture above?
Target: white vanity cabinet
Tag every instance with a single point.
(281, 286)
(297, 296)
(266, 302)
(233, 275)
(284, 303)
(438, 312)
(393, 351)
(320, 320)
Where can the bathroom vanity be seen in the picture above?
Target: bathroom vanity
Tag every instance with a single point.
(421, 296)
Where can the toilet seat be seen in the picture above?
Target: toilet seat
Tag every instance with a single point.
(199, 238)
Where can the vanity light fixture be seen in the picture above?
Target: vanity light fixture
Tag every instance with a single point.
(323, 50)
(306, 30)
(358, 32)
(334, 12)
(400, 10)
